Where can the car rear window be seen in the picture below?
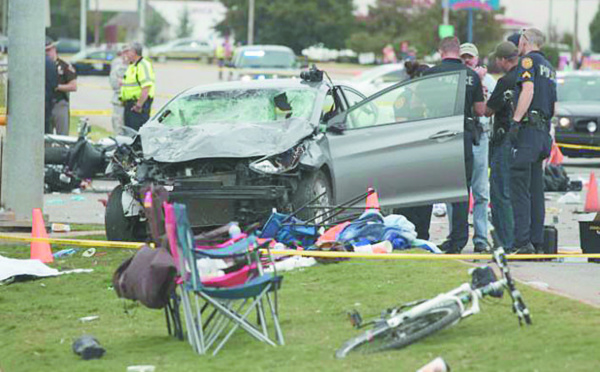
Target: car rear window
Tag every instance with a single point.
(238, 106)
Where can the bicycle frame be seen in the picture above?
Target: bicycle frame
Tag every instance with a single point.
(462, 295)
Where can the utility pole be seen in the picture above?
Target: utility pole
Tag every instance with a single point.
(575, 38)
(83, 24)
(446, 6)
(23, 163)
(142, 14)
(470, 25)
(250, 22)
(549, 36)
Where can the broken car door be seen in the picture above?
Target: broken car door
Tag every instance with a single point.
(406, 141)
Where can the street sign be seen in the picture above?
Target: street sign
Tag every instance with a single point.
(474, 4)
(445, 31)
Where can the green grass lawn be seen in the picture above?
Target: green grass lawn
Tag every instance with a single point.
(39, 321)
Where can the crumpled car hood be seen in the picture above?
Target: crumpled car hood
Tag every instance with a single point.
(221, 140)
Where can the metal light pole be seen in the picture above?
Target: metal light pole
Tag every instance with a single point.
(142, 14)
(446, 6)
(23, 163)
(550, 2)
(575, 38)
(82, 24)
(470, 25)
(250, 22)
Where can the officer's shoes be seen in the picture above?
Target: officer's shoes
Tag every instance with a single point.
(449, 248)
(481, 248)
(526, 249)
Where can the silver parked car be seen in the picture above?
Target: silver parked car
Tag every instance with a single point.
(234, 151)
(257, 62)
(187, 48)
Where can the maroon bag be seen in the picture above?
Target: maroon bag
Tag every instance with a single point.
(147, 277)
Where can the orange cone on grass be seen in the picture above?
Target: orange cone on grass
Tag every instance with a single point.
(591, 199)
(471, 203)
(40, 250)
(373, 200)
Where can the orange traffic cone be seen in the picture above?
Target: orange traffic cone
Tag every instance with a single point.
(373, 200)
(40, 250)
(591, 199)
(556, 156)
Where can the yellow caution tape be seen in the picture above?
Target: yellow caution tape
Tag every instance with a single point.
(94, 61)
(419, 256)
(75, 242)
(320, 254)
(578, 147)
(90, 112)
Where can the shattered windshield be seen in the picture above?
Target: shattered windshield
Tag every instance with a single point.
(238, 106)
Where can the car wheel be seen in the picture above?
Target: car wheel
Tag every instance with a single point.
(311, 186)
(118, 226)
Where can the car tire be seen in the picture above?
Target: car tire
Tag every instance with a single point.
(312, 185)
(119, 227)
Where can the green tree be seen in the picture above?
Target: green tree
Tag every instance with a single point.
(185, 28)
(595, 32)
(154, 28)
(295, 23)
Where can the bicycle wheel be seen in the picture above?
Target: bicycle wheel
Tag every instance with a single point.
(384, 337)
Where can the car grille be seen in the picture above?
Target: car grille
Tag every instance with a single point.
(581, 124)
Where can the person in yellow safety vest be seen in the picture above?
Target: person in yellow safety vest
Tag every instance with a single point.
(220, 55)
(137, 87)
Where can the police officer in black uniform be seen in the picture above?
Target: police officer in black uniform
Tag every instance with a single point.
(500, 104)
(536, 98)
(474, 108)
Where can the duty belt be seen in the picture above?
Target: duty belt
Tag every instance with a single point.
(537, 119)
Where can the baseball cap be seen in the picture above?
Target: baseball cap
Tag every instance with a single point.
(506, 49)
(470, 49)
(50, 43)
(514, 38)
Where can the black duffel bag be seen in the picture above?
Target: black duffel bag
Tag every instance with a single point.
(147, 277)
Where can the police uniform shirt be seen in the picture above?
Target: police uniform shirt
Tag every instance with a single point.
(536, 69)
(66, 73)
(502, 108)
(474, 91)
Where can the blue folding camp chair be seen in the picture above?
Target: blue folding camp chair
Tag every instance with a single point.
(232, 306)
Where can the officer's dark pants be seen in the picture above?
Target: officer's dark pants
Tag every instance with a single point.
(48, 106)
(459, 233)
(135, 120)
(527, 185)
(502, 212)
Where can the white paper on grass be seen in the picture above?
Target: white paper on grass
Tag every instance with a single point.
(11, 267)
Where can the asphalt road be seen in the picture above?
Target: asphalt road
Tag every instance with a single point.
(574, 278)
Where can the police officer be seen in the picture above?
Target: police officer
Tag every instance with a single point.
(137, 88)
(449, 49)
(536, 98)
(67, 83)
(500, 105)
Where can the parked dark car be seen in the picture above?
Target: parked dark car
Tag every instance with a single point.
(93, 61)
(578, 114)
(234, 151)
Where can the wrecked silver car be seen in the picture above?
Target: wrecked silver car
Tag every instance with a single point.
(235, 151)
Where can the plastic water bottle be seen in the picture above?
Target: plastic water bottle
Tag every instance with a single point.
(234, 231)
(64, 253)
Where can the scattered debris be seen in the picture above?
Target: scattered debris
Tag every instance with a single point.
(65, 253)
(77, 198)
(61, 227)
(88, 347)
(541, 285)
(140, 369)
(89, 253)
(87, 319)
(570, 198)
(436, 365)
(55, 202)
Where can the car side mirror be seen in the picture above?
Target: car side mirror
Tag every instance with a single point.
(337, 124)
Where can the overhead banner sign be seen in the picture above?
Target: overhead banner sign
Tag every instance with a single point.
(474, 4)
